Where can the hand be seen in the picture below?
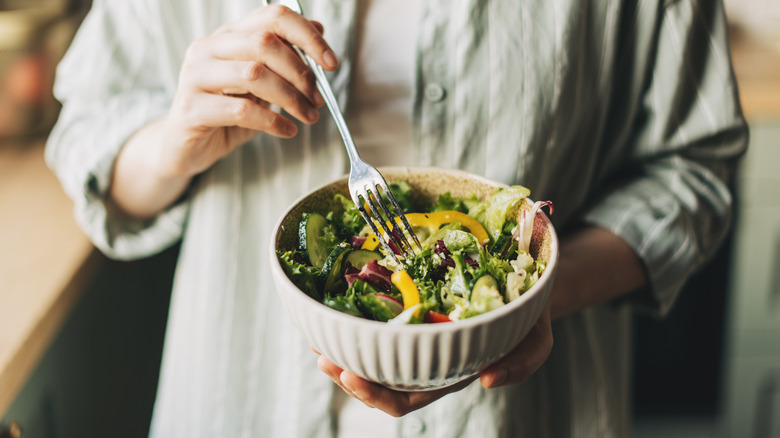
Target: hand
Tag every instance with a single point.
(513, 369)
(227, 84)
(229, 80)
(595, 266)
(525, 359)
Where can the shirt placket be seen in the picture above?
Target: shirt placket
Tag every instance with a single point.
(432, 83)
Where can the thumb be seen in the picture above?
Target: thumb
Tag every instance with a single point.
(525, 359)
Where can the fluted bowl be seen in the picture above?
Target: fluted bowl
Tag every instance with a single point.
(419, 356)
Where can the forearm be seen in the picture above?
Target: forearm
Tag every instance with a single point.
(594, 266)
(140, 187)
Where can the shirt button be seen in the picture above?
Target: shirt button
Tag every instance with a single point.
(413, 426)
(434, 92)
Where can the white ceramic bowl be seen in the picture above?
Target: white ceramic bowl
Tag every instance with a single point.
(420, 356)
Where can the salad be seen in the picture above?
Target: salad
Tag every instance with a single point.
(475, 258)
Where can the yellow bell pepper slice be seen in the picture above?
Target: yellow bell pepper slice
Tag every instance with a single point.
(409, 291)
(434, 221)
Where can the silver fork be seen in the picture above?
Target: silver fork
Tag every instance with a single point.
(366, 185)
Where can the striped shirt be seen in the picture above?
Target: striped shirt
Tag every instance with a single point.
(624, 113)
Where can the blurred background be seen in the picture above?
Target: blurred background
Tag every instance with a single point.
(33, 36)
(81, 335)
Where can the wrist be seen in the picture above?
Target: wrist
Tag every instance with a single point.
(594, 266)
(144, 182)
(164, 143)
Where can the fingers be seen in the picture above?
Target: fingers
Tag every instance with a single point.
(245, 77)
(317, 25)
(294, 29)
(266, 52)
(513, 369)
(334, 372)
(212, 110)
(252, 60)
(524, 360)
(278, 76)
(395, 403)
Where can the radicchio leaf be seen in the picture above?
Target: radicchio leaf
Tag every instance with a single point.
(357, 241)
(372, 273)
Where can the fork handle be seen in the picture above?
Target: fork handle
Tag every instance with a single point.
(330, 101)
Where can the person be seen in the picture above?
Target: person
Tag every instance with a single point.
(194, 120)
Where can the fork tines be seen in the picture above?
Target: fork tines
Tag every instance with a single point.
(394, 239)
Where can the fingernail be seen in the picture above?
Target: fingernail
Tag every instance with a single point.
(318, 99)
(347, 384)
(330, 59)
(321, 363)
(291, 129)
(312, 114)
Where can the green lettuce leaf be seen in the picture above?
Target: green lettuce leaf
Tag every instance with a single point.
(304, 276)
(505, 204)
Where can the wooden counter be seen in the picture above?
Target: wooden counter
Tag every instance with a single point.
(44, 261)
(757, 67)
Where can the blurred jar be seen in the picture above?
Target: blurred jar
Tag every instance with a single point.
(34, 35)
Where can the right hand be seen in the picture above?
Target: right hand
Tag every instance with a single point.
(230, 79)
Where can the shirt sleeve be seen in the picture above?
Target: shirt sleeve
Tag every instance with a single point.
(109, 86)
(675, 209)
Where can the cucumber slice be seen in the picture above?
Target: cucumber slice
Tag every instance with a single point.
(503, 241)
(484, 286)
(311, 232)
(484, 297)
(360, 257)
(333, 269)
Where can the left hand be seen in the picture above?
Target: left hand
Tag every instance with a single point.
(512, 369)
